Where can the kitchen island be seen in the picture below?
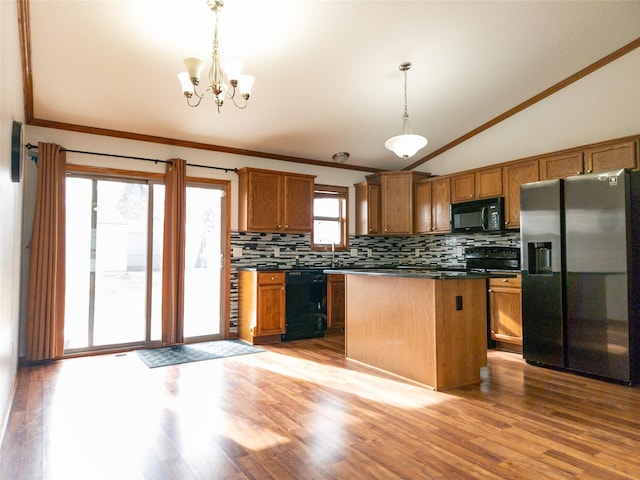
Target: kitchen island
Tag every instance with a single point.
(425, 326)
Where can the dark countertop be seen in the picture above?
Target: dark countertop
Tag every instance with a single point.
(275, 268)
(421, 273)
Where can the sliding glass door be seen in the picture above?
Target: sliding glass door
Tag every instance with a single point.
(203, 263)
(109, 284)
(113, 295)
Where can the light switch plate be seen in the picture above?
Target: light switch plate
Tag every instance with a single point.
(354, 252)
(276, 251)
(236, 252)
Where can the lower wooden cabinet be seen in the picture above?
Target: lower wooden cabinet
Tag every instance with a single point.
(505, 307)
(335, 302)
(261, 306)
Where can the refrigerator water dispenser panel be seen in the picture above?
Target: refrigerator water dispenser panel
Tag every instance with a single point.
(539, 254)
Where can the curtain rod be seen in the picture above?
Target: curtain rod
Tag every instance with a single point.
(154, 160)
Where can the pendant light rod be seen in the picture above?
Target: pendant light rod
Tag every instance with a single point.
(406, 128)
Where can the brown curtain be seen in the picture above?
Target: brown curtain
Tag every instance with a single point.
(173, 252)
(45, 301)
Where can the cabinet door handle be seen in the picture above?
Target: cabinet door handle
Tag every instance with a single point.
(505, 280)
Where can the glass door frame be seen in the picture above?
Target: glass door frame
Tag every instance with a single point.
(151, 178)
(225, 246)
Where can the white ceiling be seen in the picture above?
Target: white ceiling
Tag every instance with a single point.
(327, 77)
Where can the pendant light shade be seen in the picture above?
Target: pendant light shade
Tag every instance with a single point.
(407, 144)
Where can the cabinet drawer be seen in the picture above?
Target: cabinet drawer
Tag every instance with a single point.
(270, 278)
(505, 282)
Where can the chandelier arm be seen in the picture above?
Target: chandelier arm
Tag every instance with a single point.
(233, 93)
(199, 97)
(241, 107)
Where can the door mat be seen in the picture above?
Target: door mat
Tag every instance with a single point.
(194, 352)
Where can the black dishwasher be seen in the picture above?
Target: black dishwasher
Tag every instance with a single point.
(306, 304)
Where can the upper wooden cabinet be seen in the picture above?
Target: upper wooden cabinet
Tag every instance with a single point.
(488, 182)
(611, 156)
(392, 199)
(270, 201)
(432, 199)
(397, 202)
(561, 165)
(422, 207)
(602, 157)
(463, 187)
(513, 175)
(367, 208)
(482, 183)
(440, 205)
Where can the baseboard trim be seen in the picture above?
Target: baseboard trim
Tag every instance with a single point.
(7, 410)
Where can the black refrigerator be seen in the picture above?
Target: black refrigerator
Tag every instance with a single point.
(581, 274)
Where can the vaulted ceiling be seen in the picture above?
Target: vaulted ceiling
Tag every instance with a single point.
(327, 77)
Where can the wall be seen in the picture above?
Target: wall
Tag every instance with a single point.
(433, 251)
(11, 108)
(95, 143)
(610, 91)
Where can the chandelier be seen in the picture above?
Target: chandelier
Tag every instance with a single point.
(407, 144)
(221, 91)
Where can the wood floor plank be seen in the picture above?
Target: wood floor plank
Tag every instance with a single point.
(301, 410)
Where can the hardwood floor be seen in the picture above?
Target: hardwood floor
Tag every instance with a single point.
(299, 410)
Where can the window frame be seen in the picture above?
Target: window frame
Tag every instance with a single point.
(342, 193)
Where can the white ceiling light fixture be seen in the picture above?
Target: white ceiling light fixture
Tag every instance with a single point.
(407, 144)
(190, 79)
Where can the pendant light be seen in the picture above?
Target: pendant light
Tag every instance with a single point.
(407, 144)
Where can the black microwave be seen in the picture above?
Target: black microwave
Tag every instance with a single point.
(486, 215)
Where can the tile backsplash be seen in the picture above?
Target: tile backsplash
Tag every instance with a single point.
(279, 250)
